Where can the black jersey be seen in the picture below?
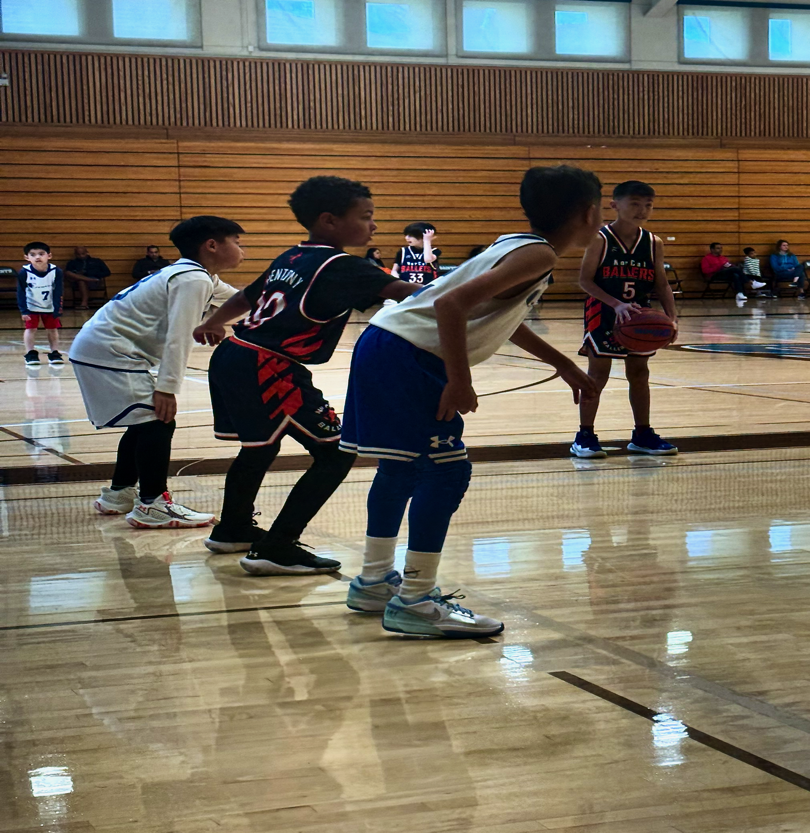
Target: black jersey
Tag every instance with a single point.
(301, 304)
(627, 274)
(412, 266)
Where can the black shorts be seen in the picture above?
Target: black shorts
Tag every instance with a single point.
(599, 339)
(259, 396)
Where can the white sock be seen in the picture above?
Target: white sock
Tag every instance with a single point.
(419, 576)
(378, 558)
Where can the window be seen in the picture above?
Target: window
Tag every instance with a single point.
(46, 18)
(489, 26)
(150, 19)
(593, 29)
(789, 36)
(393, 24)
(716, 34)
(302, 22)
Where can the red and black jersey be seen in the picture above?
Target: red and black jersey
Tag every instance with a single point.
(412, 266)
(627, 274)
(301, 304)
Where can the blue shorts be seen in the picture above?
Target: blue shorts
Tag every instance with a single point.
(392, 401)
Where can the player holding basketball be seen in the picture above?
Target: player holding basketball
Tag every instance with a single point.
(621, 267)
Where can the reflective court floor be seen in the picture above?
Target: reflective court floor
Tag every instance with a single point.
(751, 382)
(652, 677)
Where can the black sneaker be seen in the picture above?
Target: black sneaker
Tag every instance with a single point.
(55, 357)
(224, 540)
(286, 558)
(32, 358)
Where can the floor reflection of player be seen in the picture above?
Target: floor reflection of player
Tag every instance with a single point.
(44, 411)
(627, 573)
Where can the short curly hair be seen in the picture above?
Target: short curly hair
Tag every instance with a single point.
(325, 195)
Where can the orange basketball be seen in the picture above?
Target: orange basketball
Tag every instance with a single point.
(645, 332)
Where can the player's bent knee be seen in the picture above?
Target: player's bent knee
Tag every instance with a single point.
(329, 456)
(448, 483)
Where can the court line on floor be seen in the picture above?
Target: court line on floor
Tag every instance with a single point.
(177, 614)
(729, 749)
(37, 444)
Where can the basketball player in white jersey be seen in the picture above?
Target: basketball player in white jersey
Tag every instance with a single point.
(39, 298)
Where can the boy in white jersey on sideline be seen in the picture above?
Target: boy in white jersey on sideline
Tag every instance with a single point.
(410, 382)
(147, 325)
(39, 298)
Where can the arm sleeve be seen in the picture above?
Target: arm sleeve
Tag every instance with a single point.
(22, 299)
(774, 263)
(346, 283)
(58, 289)
(69, 267)
(186, 305)
(139, 270)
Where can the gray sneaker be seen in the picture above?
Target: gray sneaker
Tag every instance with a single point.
(437, 615)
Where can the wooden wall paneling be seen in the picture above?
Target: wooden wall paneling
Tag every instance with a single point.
(297, 95)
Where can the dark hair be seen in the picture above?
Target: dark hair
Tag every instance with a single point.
(712, 245)
(550, 197)
(418, 229)
(190, 235)
(749, 249)
(325, 195)
(633, 188)
(370, 256)
(779, 243)
(153, 246)
(475, 251)
(37, 244)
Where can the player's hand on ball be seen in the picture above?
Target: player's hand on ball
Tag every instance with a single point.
(165, 406)
(456, 398)
(625, 311)
(209, 334)
(582, 386)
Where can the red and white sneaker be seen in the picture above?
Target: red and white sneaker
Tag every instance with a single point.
(164, 513)
(116, 501)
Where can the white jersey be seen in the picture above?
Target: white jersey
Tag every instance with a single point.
(489, 325)
(150, 323)
(39, 289)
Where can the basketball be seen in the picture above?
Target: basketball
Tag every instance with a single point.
(645, 332)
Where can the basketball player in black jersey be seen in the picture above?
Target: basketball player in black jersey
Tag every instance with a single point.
(261, 390)
(621, 268)
(418, 262)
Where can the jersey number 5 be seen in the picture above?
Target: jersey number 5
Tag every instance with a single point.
(629, 291)
(268, 308)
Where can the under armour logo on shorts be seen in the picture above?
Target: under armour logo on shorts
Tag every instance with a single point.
(435, 442)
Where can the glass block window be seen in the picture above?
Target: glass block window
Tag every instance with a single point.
(789, 36)
(489, 26)
(47, 18)
(302, 22)
(150, 19)
(393, 24)
(716, 34)
(591, 29)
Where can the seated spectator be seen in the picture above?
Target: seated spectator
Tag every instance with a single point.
(786, 267)
(85, 273)
(751, 269)
(716, 263)
(375, 256)
(150, 264)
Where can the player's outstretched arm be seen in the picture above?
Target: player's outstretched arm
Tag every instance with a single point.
(399, 290)
(212, 330)
(662, 288)
(587, 272)
(517, 270)
(580, 383)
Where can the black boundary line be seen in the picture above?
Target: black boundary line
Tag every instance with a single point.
(175, 615)
(37, 444)
(712, 742)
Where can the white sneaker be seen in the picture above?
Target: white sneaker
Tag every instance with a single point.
(741, 296)
(437, 615)
(164, 513)
(116, 501)
(757, 284)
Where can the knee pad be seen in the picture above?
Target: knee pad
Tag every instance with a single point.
(447, 483)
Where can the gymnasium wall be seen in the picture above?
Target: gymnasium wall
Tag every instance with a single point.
(99, 89)
(116, 195)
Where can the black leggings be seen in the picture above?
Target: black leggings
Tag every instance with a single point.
(144, 452)
(328, 470)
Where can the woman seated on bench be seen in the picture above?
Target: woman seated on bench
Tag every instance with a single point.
(786, 267)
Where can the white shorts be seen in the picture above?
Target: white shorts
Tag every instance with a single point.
(116, 398)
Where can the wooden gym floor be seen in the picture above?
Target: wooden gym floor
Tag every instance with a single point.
(652, 677)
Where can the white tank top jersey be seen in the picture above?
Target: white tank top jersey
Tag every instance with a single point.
(39, 289)
(489, 325)
(150, 323)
